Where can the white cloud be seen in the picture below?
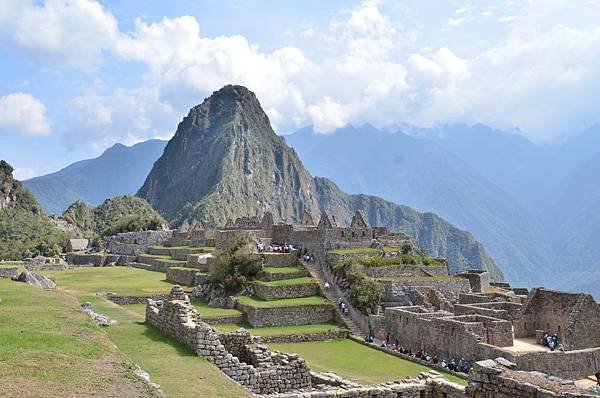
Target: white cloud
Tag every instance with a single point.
(22, 113)
(125, 116)
(455, 22)
(65, 32)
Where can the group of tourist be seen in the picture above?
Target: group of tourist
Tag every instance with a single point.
(307, 258)
(551, 341)
(276, 248)
(453, 364)
(342, 306)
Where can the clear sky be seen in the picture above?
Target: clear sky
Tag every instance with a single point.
(77, 76)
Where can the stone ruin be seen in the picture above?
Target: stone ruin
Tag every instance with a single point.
(238, 355)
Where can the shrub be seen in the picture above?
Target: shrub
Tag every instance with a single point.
(365, 293)
(406, 248)
(135, 223)
(235, 267)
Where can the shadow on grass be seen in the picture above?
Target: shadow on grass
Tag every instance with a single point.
(159, 337)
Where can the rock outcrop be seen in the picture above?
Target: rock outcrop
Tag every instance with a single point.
(35, 279)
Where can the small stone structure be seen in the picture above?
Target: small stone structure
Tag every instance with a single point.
(237, 354)
(77, 245)
(479, 280)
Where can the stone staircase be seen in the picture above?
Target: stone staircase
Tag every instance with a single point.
(333, 294)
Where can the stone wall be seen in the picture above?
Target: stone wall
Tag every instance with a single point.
(287, 316)
(480, 280)
(389, 271)
(266, 372)
(574, 318)
(488, 379)
(159, 264)
(301, 338)
(277, 276)
(127, 300)
(280, 259)
(98, 260)
(500, 310)
(268, 292)
(182, 276)
(8, 272)
(134, 243)
(571, 364)
(395, 290)
(201, 262)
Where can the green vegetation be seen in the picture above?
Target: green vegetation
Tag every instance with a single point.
(25, 230)
(355, 361)
(119, 280)
(365, 293)
(115, 215)
(164, 257)
(235, 267)
(312, 300)
(404, 259)
(283, 270)
(187, 375)
(205, 311)
(192, 249)
(416, 278)
(50, 348)
(279, 330)
(287, 282)
(355, 250)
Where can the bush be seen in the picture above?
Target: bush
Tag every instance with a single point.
(365, 293)
(234, 268)
(406, 248)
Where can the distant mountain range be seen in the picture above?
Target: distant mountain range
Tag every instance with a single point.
(120, 170)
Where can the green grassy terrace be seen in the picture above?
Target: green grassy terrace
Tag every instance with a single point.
(165, 258)
(417, 278)
(279, 330)
(254, 302)
(118, 280)
(287, 282)
(405, 259)
(283, 270)
(355, 361)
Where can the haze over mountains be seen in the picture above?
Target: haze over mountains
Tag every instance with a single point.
(535, 208)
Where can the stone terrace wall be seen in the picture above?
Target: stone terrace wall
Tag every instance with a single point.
(405, 271)
(396, 290)
(488, 379)
(280, 259)
(134, 243)
(301, 338)
(98, 260)
(570, 364)
(182, 276)
(274, 373)
(288, 316)
(127, 300)
(501, 310)
(267, 292)
(8, 272)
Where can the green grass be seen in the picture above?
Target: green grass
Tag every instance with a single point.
(355, 361)
(363, 250)
(205, 311)
(49, 348)
(404, 260)
(165, 258)
(278, 330)
(179, 371)
(283, 270)
(312, 300)
(119, 280)
(287, 282)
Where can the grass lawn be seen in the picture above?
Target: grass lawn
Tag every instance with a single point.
(165, 258)
(287, 282)
(206, 311)
(355, 361)
(179, 371)
(201, 249)
(278, 330)
(283, 270)
(119, 280)
(49, 348)
(312, 300)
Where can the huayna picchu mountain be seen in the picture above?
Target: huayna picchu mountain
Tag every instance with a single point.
(225, 161)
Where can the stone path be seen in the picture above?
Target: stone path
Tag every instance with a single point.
(333, 296)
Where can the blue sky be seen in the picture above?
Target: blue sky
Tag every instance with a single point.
(78, 76)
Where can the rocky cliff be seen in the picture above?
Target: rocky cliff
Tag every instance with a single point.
(226, 161)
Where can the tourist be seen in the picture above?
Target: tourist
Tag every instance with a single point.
(597, 377)
(434, 360)
(443, 364)
(452, 364)
(545, 340)
(326, 286)
(561, 348)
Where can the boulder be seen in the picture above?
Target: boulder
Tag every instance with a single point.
(35, 279)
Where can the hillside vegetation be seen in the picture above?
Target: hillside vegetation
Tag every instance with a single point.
(25, 230)
(118, 214)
